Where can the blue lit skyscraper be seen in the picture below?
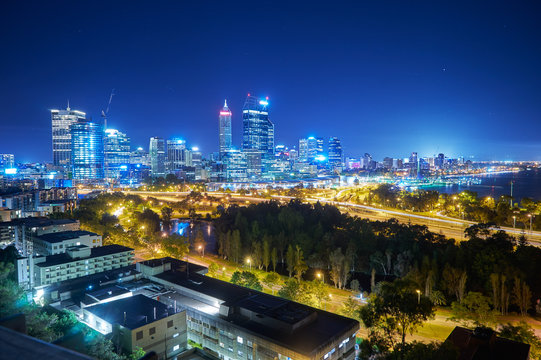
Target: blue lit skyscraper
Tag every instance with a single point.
(226, 138)
(335, 152)
(258, 134)
(116, 152)
(87, 150)
(157, 156)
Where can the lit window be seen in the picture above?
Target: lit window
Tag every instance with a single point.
(176, 347)
(239, 340)
(175, 335)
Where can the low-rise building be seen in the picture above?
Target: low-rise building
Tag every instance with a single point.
(23, 231)
(233, 322)
(57, 242)
(139, 321)
(77, 261)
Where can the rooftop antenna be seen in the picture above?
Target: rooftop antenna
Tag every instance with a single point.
(68, 108)
(225, 103)
(106, 112)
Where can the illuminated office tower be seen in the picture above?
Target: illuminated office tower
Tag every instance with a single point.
(310, 148)
(157, 156)
(116, 152)
(87, 150)
(258, 134)
(176, 154)
(225, 130)
(61, 121)
(335, 152)
(7, 161)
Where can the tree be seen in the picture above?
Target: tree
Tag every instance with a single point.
(474, 308)
(271, 280)
(290, 260)
(454, 280)
(246, 279)
(167, 212)
(274, 258)
(522, 296)
(350, 308)
(213, 269)
(395, 310)
(175, 246)
(300, 266)
(290, 289)
(236, 247)
(337, 261)
(354, 285)
(523, 333)
(266, 252)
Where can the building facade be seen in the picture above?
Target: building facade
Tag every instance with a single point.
(61, 121)
(226, 137)
(116, 153)
(58, 242)
(335, 152)
(258, 135)
(157, 156)
(87, 150)
(176, 155)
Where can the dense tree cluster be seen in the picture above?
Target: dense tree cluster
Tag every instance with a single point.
(298, 236)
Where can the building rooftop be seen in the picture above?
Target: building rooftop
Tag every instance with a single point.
(132, 312)
(64, 235)
(296, 326)
(483, 344)
(37, 222)
(177, 265)
(63, 258)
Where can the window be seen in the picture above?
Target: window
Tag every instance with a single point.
(139, 335)
(176, 347)
(170, 323)
(152, 331)
(239, 340)
(175, 335)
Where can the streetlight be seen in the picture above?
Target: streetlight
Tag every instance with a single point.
(514, 221)
(249, 261)
(321, 276)
(531, 218)
(418, 296)
(201, 248)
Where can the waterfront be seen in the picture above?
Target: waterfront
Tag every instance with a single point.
(526, 183)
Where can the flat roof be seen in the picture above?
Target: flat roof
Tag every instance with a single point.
(37, 222)
(65, 235)
(177, 265)
(320, 327)
(139, 311)
(63, 258)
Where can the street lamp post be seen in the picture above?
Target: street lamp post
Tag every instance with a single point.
(514, 222)
(249, 261)
(418, 296)
(321, 276)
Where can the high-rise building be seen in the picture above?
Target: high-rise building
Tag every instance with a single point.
(61, 121)
(139, 157)
(335, 152)
(157, 156)
(87, 150)
(310, 148)
(116, 152)
(258, 134)
(176, 154)
(226, 140)
(7, 161)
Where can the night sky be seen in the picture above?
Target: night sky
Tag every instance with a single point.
(387, 77)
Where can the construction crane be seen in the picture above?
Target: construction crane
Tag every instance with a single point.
(104, 113)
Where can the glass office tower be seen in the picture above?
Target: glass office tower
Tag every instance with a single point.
(116, 152)
(61, 121)
(87, 157)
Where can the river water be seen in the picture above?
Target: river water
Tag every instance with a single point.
(526, 183)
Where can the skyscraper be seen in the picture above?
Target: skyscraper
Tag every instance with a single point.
(176, 154)
(225, 130)
(258, 134)
(310, 148)
(87, 150)
(157, 156)
(335, 152)
(116, 152)
(61, 120)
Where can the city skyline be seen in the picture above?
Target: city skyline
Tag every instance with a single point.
(440, 79)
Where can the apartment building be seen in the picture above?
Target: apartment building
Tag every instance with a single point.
(57, 242)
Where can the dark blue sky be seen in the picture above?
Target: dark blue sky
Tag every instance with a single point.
(387, 77)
